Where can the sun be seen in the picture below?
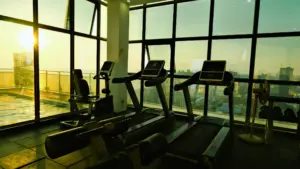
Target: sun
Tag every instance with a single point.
(27, 40)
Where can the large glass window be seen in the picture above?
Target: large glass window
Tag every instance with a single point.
(54, 76)
(134, 57)
(16, 73)
(233, 17)
(85, 59)
(54, 13)
(135, 25)
(277, 58)
(279, 16)
(103, 58)
(159, 22)
(159, 52)
(83, 16)
(193, 18)
(189, 56)
(218, 102)
(21, 9)
(236, 53)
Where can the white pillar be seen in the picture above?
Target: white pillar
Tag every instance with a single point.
(117, 48)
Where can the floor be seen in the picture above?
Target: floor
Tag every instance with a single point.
(26, 150)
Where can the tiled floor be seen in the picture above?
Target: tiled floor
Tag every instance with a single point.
(26, 150)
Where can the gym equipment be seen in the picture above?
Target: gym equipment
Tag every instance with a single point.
(290, 116)
(261, 94)
(207, 137)
(103, 106)
(263, 112)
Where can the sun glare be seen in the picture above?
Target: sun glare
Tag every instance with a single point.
(27, 40)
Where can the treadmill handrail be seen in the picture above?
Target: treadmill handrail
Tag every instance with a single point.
(194, 79)
(127, 78)
(158, 80)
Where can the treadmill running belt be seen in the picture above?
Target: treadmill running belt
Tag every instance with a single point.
(194, 142)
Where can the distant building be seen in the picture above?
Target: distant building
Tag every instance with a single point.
(23, 69)
(285, 74)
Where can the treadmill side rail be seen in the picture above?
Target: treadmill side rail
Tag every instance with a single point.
(212, 150)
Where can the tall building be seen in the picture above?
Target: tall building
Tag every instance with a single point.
(285, 74)
(23, 69)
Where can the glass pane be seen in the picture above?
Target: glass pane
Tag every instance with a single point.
(282, 91)
(278, 58)
(103, 24)
(135, 25)
(197, 93)
(54, 76)
(218, 102)
(16, 73)
(160, 52)
(189, 56)
(159, 22)
(193, 18)
(137, 88)
(236, 53)
(134, 57)
(151, 98)
(54, 13)
(279, 16)
(21, 9)
(85, 59)
(233, 17)
(83, 16)
(103, 58)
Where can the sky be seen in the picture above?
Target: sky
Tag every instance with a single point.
(230, 17)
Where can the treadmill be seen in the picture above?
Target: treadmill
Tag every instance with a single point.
(205, 143)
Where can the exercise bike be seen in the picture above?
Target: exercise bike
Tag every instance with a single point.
(99, 108)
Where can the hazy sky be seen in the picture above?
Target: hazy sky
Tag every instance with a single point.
(231, 17)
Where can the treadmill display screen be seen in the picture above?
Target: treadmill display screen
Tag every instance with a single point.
(214, 66)
(213, 71)
(106, 66)
(153, 68)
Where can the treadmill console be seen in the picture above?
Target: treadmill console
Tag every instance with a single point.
(153, 68)
(213, 70)
(107, 68)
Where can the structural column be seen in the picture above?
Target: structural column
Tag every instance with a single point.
(117, 48)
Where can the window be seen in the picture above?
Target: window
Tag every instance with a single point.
(282, 91)
(193, 18)
(134, 57)
(103, 24)
(159, 22)
(21, 9)
(83, 16)
(189, 56)
(218, 102)
(279, 16)
(54, 75)
(233, 17)
(151, 98)
(85, 59)
(277, 58)
(160, 52)
(197, 94)
(54, 13)
(135, 25)
(236, 53)
(16, 73)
